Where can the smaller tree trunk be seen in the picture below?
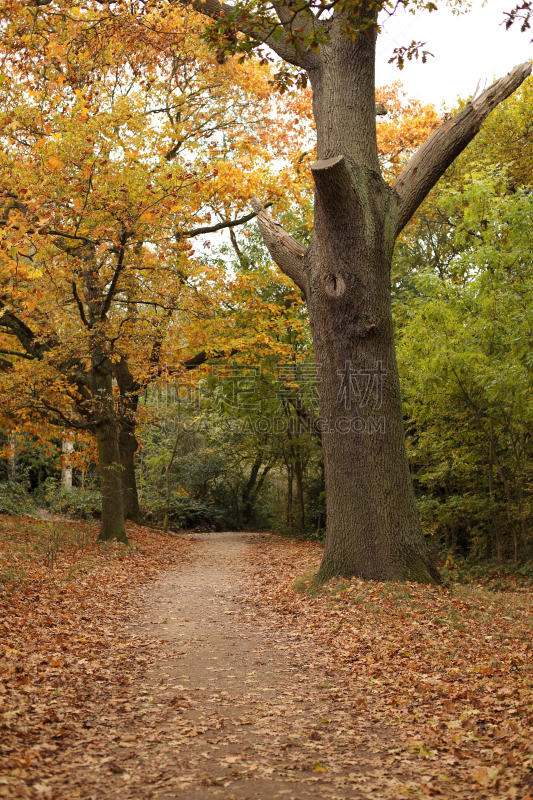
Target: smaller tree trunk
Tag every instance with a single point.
(493, 509)
(167, 478)
(67, 448)
(248, 495)
(289, 494)
(128, 446)
(298, 473)
(110, 484)
(12, 458)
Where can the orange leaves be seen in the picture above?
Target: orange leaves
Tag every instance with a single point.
(64, 654)
(447, 672)
(407, 124)
(55, 164)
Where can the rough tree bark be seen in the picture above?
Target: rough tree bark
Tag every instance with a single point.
(127, 440)
(373, 529)
(103, 413)
(107, 435)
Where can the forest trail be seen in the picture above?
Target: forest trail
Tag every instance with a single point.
(189, 667)
(237, 709)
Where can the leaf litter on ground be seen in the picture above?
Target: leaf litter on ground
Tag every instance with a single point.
(63, 656)
(424, 691)
(448, 670)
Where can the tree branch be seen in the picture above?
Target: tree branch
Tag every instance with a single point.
(120, 265)
(79, 304)
(303, 58)
(49, 232)
(284, 249)
(15, 353)
(24, 334)
(445, 143)
(220, 225)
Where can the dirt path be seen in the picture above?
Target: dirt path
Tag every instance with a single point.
(234, 708)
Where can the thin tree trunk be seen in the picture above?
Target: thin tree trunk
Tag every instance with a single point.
(67, 448)
(512, 526)
(167, 477)
(248, 491)
(298, 474)
(289, 494)
(493, 509)
(12, 456)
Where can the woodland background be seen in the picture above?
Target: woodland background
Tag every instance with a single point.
(129, 155)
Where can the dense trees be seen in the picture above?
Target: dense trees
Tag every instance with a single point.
(124, 136)
(121, 141)
(462, 301)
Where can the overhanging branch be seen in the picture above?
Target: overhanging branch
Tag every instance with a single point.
(220, 225)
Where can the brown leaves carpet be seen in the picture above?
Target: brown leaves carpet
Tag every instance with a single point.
(191, 667)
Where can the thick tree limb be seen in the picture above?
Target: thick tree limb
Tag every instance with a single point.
(295, 21)
(118, 269)
(333, 184)
(303, 58)
(284, 249)
(24, 334)
(195, 361)
(444, 145)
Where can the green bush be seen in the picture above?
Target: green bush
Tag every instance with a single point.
(74, 502)
(15, 500)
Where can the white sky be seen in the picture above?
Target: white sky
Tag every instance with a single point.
(466, 49)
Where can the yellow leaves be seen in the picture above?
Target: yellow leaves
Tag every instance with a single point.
(317, 767)
(77, 203)
(54, 164)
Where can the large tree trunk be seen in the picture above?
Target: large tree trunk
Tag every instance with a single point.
(110, 484)
(128, 445)
(373, 528)
(107, 434)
